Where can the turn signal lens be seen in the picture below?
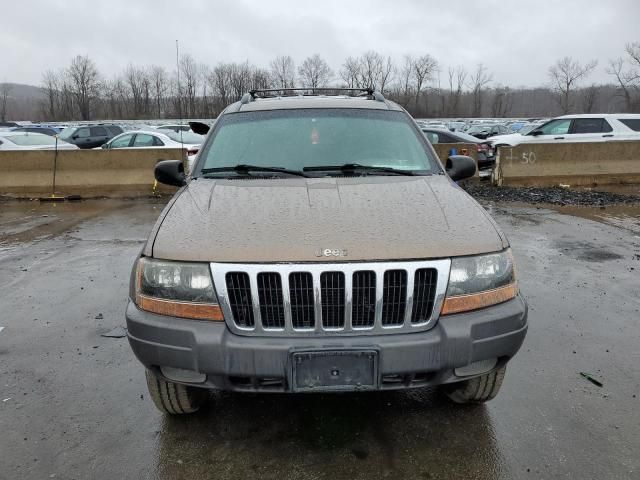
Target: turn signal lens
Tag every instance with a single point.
(474, 301)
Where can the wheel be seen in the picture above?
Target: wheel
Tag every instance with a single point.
(478, 389)
(174, 398)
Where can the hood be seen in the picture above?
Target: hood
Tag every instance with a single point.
(293, 220)
(509, 138)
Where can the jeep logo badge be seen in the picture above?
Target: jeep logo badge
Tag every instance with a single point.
(331, 252)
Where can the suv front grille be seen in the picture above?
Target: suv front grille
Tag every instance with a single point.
(324, 299)
(332, 295)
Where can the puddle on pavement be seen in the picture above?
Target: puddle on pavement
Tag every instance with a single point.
(28, 221)
(621, 216)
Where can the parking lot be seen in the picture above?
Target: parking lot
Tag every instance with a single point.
(74, 404)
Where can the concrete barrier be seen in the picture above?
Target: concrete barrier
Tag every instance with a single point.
(90, 173)
(576, 164)
(470, 149)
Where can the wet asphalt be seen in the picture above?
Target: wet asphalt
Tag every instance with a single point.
(74, 405)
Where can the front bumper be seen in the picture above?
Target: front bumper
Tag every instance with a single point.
(244, 363)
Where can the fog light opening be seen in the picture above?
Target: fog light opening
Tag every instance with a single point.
(476, 368)
(182, 375)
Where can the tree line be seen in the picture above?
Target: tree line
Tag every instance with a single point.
(421, 84)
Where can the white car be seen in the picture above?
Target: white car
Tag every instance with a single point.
(32, 141)
(577, 128)
(167, 138)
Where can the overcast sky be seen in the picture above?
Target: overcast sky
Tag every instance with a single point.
(516, 40)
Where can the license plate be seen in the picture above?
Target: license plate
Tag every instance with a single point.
(342, 370)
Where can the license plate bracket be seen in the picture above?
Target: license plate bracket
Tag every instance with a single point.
(334, 370)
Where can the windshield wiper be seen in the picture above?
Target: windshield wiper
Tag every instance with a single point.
(243, 168)
(352, 167)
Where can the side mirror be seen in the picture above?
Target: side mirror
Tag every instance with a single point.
(170, 172)
(460, 167)
(537, 133)
(75, 137)
(104, 145)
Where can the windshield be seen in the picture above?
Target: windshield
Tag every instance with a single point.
(528, 128)
(32, 139)
(295, 139)
(187, 137)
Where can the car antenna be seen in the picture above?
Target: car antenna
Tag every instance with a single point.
(179, 95)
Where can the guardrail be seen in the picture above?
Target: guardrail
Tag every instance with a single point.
(89, 173)
(575, 164)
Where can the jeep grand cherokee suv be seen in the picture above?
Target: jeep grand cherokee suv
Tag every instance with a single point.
(319, 245)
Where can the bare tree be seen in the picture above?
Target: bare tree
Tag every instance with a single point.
(350, 73)
(502, 102)
(479, 81)
(160, 86)
(84, 84)
(314, 72)
(5, 90)
(283, 72)
(565, 75)
(457, 79)
(135, 78)
(590, 97)
(423, 69)
(627, 73)
(51, 86)
(189, 80)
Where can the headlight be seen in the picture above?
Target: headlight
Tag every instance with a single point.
(178, 289)
(480, 281)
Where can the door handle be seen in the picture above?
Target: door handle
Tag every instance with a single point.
(607, 136)
(558, 138)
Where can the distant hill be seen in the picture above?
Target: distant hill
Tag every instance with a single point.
(23, 102)
(20, 91)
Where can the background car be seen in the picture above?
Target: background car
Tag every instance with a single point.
(485, 152)
(37, 129)
(175, 127)
(483, 131)
(32, 141)
(168, 138)
(90, 136)
(577, 128)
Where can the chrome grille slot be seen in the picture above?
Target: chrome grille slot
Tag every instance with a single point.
(301, 298)
(315, 299)
(332, 296)
(394, 297)
(363, 312)
(271, 304)
(240, 298)
(424, 292)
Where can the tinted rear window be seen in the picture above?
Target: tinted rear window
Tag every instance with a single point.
(632, 123)
(113, 130)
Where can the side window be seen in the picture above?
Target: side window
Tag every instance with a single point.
(122, 142)
(83, 133)
(589, 125)
(632, 123)
(157, 142)
(432, 137)
(444, 138)
(143, 140)
(99, 132)
(555, 127)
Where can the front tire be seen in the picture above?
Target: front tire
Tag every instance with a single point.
(478, 389)
(174, 398)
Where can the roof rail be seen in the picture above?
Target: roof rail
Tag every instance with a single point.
(263, 93)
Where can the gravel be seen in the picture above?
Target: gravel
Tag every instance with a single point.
(552, 195)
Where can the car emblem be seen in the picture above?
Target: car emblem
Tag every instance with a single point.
(331, 252)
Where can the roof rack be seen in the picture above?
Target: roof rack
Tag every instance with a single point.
(277, 92)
